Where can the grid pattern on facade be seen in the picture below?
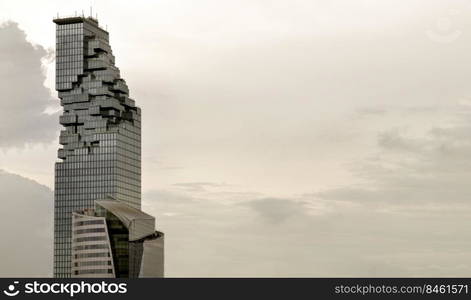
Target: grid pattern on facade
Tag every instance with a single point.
(91, 249)
(101, 136)
(102, 245)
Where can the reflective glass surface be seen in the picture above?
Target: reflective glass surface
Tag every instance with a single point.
(100, 151)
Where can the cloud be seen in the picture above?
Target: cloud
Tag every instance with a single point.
(392, 140)
(26, 219)
(429, 166)
(276, 210)
(281, 237)
(24, 96)
(265, 108)
(198, 186)
(414, 200)
(406, 216)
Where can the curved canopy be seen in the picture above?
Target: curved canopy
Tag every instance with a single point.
(139, 224)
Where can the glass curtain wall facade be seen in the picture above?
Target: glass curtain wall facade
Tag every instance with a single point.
(100, 153)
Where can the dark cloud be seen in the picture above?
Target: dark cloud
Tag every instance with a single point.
(24, 96)
(27, 227)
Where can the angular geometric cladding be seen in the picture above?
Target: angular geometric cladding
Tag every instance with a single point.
(101, 139)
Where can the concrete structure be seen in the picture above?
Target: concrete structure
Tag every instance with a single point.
(116, 240)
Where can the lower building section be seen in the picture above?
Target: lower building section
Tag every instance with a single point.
(153, 256)
(116, 240)
(91, 248)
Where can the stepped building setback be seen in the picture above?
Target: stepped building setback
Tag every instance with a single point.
(100, 153)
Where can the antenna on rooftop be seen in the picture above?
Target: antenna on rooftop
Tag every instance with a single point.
(91, 13)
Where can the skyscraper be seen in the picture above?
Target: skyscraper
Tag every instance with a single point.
(101, 138)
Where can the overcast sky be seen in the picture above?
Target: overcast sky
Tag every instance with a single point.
(280, 138)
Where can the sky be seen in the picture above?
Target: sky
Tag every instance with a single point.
(280, 138)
